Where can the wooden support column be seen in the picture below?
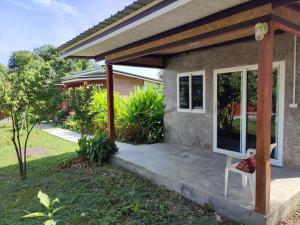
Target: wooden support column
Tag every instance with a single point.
(263, 124)
(110, 103)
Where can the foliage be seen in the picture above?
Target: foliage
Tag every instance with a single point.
(143, 118)
(71, 124)
(30, 91)
(49, 205)
(3, 71)
(96, 149)
(98, 108)
(229, 86)
(61, 66)
(26, 98)
(79, 100)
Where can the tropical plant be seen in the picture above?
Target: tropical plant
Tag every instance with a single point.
(96, 149)
(51, 210)
(98, 108)
(142, 121)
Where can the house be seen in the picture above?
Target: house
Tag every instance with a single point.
(124, 82)
(230, 79)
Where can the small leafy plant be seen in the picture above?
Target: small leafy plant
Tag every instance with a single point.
(49, 205)
(96, 149)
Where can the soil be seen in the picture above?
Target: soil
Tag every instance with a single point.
(293, 218)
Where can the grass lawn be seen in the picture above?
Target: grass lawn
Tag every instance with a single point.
(93, 194)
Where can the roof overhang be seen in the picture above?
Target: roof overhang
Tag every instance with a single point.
(100, 75)
(156, 34)
(152, 19)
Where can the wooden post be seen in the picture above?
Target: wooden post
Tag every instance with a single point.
(263, 122)
(110, 103)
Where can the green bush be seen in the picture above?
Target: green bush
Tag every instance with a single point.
(98, 108)
(71, 124)
(96, 149)
(142, 121)
(79, 100)
(138, 118)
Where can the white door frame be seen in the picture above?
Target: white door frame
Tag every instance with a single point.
(280, 104)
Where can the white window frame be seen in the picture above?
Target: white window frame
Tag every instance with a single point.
(281, 103)
(190, 75)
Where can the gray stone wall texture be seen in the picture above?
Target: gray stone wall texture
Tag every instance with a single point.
(196, 129)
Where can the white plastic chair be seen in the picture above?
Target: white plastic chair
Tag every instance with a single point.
(250, 176)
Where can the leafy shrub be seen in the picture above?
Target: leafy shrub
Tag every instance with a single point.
(98, 108)
(96, 149)
(71, 124)
(142, 120)
(79, 100)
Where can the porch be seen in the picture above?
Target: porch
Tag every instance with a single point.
(198, 174)
(140, 38)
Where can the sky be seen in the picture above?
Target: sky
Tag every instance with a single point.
(28, 24)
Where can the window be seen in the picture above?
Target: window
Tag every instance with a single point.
(191, 92)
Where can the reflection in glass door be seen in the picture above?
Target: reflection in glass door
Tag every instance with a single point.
(229, 120)
(252, 109)
(235, 100)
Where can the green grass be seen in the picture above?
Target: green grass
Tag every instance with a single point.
(104, 194)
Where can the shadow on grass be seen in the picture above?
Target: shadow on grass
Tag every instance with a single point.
(37, 166)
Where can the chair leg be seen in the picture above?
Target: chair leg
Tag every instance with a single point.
(244, 180)
(226, 181)
(252, 187)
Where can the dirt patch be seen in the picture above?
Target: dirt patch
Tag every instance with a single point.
(37, 152)
(40, 152)
(293, 218)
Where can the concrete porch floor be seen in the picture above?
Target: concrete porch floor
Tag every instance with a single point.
(198, 175)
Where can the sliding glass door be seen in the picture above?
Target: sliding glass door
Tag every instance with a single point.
(235, 100)
(229, 123)
(252, 109)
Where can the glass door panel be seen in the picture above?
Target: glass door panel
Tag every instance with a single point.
(229, 117)
(251, 107)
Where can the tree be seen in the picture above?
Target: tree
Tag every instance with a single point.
(30, 91)
(25, 98)
(61, 66)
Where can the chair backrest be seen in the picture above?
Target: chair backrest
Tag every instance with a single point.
(251, 152)
(272, 147)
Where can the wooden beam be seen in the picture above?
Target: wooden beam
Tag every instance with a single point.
(288, 14)
(263, 124)
(110, 103)
(145, 61)
(287, 19)
(210, 41)
(286, 28)
(186, 35)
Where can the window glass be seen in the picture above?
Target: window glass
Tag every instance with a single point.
(184, 92)
(197, 92)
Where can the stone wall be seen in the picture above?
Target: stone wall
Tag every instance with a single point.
(196, 129)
